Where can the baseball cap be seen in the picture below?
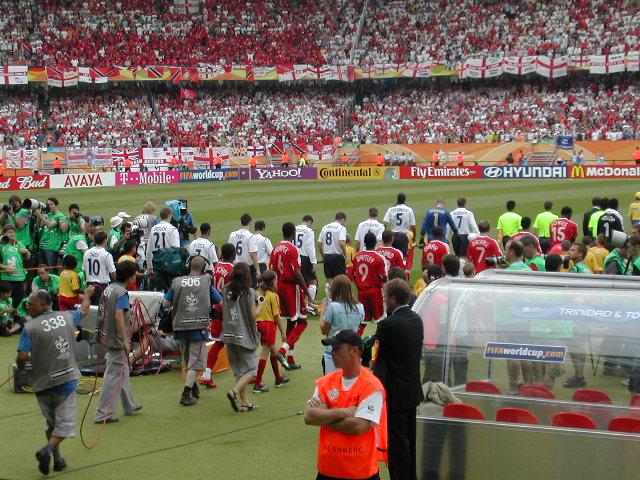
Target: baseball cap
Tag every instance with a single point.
(115, 221)
(124, 215)
(348, 336)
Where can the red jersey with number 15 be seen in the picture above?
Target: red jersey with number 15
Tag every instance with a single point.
(563, 229)
(480, 248)
(392, 255)
(221, 274)
(285, 260)
(369, 270)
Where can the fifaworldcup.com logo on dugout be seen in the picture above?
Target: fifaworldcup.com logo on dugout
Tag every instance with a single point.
(525, 351)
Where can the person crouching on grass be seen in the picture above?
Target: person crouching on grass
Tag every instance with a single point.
(268, 320)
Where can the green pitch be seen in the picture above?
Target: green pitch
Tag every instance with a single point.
(167, 441)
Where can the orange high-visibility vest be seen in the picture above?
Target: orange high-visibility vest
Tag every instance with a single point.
(636, 155)
(57, 163)
(379, 161)
(127, 163)
(436, 157)
(285, 159)
(345, 159)
(351, 456)
(217, 160)
(253, 162)
(460, 159)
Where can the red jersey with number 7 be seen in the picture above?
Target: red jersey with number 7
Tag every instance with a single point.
(369, 270)
(285, 260)
(563, 229)
(221, 275)
(481, 248)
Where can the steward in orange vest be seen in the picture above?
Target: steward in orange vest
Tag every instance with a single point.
(379, 160)
(460, 159)
(57, 165)
(636, 155)
(436, 159)
(352, 401)
(253, 162)
(345, 160)
(285, 160)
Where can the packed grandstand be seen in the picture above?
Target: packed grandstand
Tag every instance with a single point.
(506, 49)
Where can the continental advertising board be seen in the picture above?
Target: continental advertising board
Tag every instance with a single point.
(358, 173)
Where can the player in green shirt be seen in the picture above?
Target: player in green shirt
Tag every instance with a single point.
(54, 227)
(542, 224)
(508, 223)
(577, 252)
(533, 259)
(514, 254)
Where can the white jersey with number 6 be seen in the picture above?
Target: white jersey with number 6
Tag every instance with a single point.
(400, 217)
(162, 236)
(240, 240)
(330, 237)
(97, 264)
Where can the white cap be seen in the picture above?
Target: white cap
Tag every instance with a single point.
(124, 215)
(116, 221)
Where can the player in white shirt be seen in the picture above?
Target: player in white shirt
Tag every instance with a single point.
(260, 248)
(333, 246)
(162, 236)
(402, 220)
(99, 268)
(370, 225)
(240, 240)
(465, 220)
(306, 243)
(203, 247)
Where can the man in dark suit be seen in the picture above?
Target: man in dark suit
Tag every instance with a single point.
(587, 217)
(397, 365)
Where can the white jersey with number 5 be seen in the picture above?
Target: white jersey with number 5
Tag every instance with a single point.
(305, 242)
(400, 217)
(240, 240)
(330, 237)
(162, 236)
(97, 264)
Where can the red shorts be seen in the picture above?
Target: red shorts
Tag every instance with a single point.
(267, 331)
(68, 303)
(373, 303)
(215, 327)
(293, 302)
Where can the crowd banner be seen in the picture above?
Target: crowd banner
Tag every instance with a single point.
(605, 64)
(363, 173)
(77, 157)
(440, 173)
(519, 65)
(14, 75)
(566, 142)
(147, 178)
(482, 67)
(22, 158)
(222, 174)
(24, 182)
(83, 180)
(517, 172)
(278, 173)
(604, 171)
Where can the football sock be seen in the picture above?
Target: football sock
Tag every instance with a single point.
(275, 366)
(295, 334)
(212, 356)
(284, 349)
(206, 375)
(313, 290)
(290, 359)
(261, 364)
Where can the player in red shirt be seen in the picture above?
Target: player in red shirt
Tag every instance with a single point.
(433, 251)
(369, 271)
(293, 293)
(221, 274)
(392, 255)
(482, 247)
(563, 228)
(525, 223)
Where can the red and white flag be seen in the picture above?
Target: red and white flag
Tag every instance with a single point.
(579, 62)
(77, 157)
(605, 64)
(98, 157)
(188, 94)
(62, 77)
(519, 65)
(633, 61)
(121, 155)
(551, 67)
(14, 75)
(482, 67)
(417, 70)
(94, 75)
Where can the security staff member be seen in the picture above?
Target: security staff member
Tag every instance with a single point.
(349, 407)
(50, 337)
(114, 318)
(192, 297)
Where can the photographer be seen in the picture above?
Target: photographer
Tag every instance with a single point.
(515, 253)
(13, 255)
(79, 244)
(54, 225)
(77, 224)
(183, 222)
(146, 220)
(14, 214)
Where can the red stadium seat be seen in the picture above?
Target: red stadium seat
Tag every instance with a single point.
(463, 410)
(482, 387)
(573, 420)
(591, 396)
(536, 391)
(635, 400)
(625, 424)
(516, 415)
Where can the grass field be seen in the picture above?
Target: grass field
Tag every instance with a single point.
(166, 441)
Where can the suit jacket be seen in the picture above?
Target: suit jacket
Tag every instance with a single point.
(585, 221)
(400, 337)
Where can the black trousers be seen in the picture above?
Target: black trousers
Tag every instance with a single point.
(401, 427)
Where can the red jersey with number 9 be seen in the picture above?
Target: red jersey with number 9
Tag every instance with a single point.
(369, 270)
(481, 248)
(285, 260)
(433, 253)
(221, 274)
(563, 229)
